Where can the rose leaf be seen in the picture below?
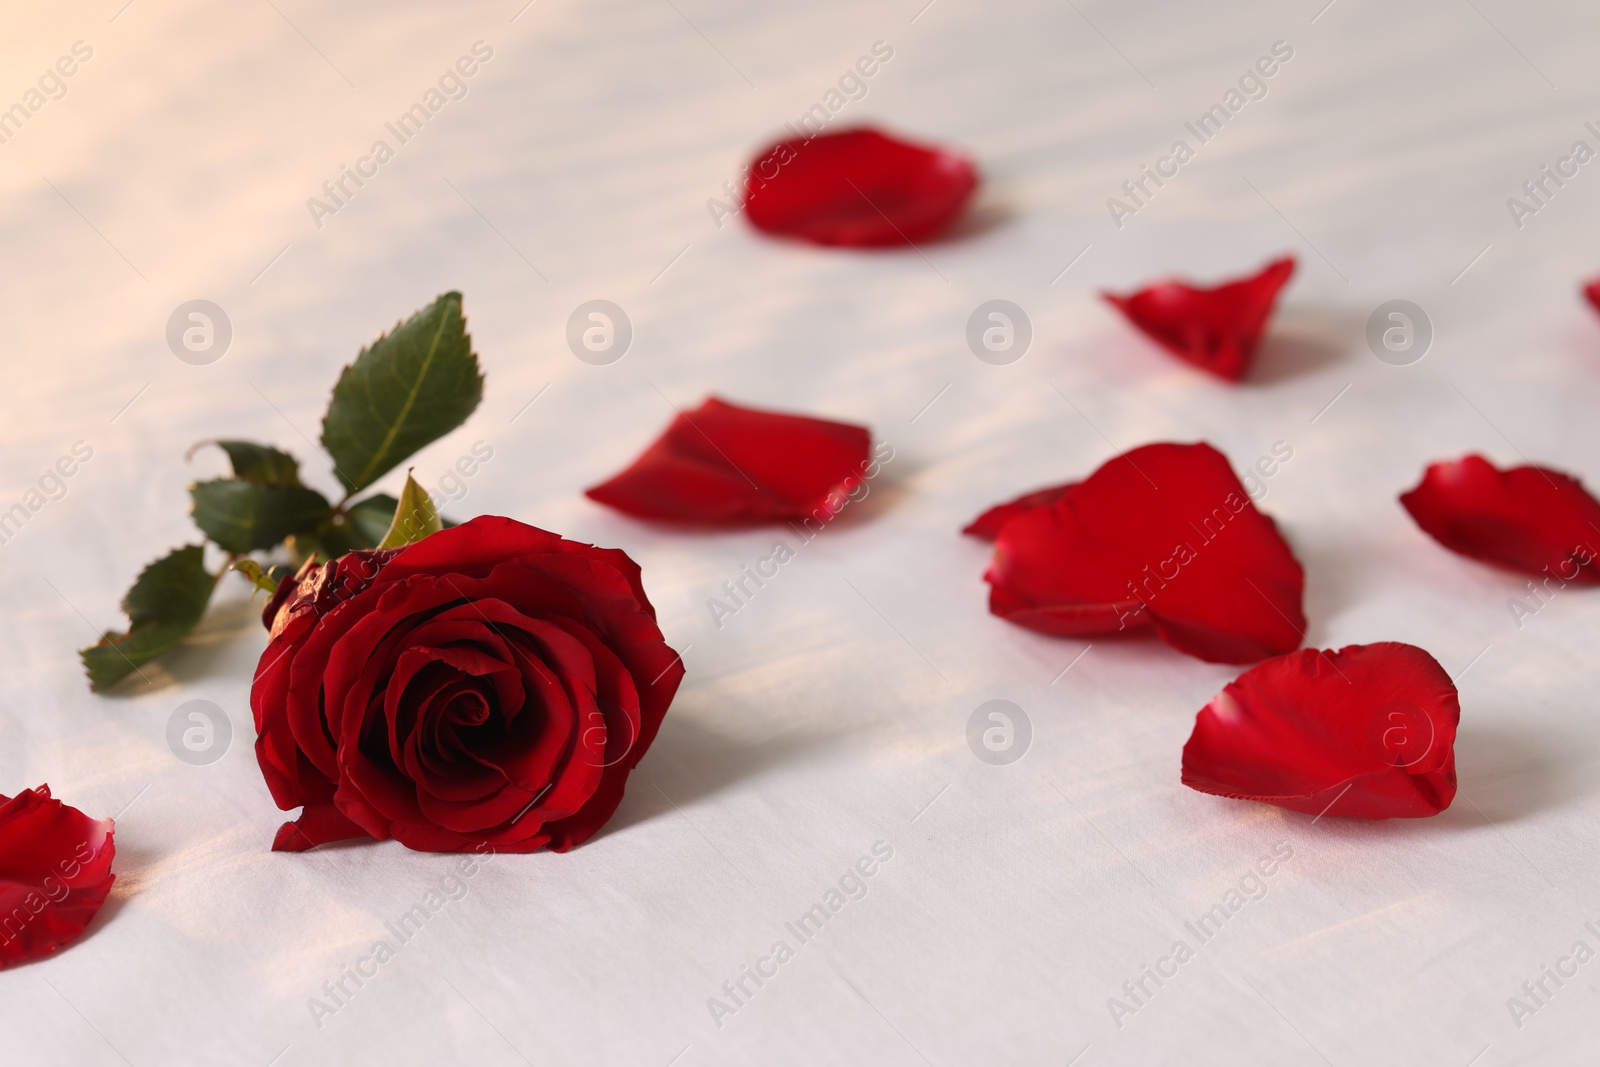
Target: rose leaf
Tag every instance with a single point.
(244, 516)
(165, 603)
(261, 464)
(371, 519)
(360, 525)
(407, 389)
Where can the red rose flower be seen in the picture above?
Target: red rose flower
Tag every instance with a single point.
(1215, 329)
(1528, 519)
(1163, 537)
(726, 465)
(1366, 732)
(55, 872)
(491, 684)
(857, 188)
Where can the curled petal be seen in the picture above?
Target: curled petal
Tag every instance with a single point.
(1366, 732)
(319, 824)
(1529, 519)
(721, 464)
(987, 526)
(55, 873)
(857, 188)
(1163, 537)
(1215, 329)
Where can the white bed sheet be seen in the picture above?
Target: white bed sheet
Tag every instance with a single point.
(830, 713)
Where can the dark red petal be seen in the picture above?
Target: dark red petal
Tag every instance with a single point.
(292, 778)
(1163, 536)
(288, 587)
(479, 545)
(55, 873)
(628, 729)
(554, 762)
(320, 588)
(1592, 292)
(1215, 329)
(1529, 519)
(857, 188)
(1366, 732)
(726, 465)
(318, 824)
(433, 752)
(987, 526)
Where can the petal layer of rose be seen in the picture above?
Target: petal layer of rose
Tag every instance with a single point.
(858, 188)
(55, 873)
(1529, 519)
(1165, 537)
(1216, 329)
(1365, 732)
(491, 685)
(722, 464)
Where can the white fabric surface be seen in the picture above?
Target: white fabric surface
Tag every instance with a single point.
(830, 713)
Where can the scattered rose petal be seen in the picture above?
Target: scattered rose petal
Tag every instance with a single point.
(1367, 732)
(726, 465)
(1529, 519)
(1592, 292)
(1215, 329)
(1162, 537)
(987, 526)
(55, 872)
(857, 188)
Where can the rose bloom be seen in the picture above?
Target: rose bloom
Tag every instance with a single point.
(490, 685)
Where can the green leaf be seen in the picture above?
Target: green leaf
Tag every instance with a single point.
(165, 603)
(244, 516)
(371, 518)
(362, 525)
(412, 386)
(261, 464)
(414, 517)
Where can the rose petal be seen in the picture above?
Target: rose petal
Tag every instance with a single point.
(341, 660)
(1366, 732)
(559, 770)
(1214, 329)
(616, 697)
(463, 628)
(318, 824)
(291, 776)
(475, 548)
(987, 526)
(1529, 519)
(55, 873)
(1163, 536)
(857, 188)
(727, 465)
(433, 751)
